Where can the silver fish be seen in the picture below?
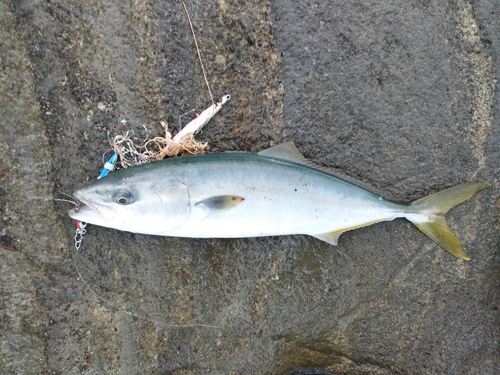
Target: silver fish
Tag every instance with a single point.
(274, 192)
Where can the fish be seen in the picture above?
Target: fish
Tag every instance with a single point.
(237, 194)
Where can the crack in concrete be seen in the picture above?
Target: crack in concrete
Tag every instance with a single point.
(481, 81)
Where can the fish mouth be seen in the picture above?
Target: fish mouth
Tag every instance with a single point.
(90, 212)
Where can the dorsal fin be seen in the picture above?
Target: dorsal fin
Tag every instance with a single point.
(289, 152)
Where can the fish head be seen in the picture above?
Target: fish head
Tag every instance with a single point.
(138, 203)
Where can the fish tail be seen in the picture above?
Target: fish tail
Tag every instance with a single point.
(431, 210)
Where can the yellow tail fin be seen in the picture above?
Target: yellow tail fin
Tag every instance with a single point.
(435, 206)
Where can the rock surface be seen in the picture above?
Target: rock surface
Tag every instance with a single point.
(399, 95)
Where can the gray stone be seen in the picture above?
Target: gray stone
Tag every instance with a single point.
(397, 94)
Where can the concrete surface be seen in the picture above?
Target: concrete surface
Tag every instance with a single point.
(400, 95)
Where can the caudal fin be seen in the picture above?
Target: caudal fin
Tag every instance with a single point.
(435, 206)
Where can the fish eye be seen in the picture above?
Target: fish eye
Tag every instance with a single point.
(123, 197)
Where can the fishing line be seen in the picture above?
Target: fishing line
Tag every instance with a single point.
(68, 201)
(181, 116)
(128, 150)
(78, 239)
(128, 312)
(198, 51)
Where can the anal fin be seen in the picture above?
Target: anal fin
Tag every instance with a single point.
(330, 237)
(333, 236)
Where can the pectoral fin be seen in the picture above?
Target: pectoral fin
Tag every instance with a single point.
(220, 202)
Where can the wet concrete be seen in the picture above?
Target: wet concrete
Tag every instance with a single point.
(399, 95)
